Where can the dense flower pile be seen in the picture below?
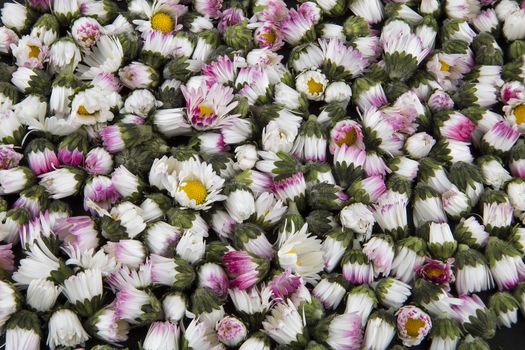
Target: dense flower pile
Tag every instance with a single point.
(213, 174)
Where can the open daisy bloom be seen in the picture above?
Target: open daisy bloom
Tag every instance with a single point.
(161, 15)
(209, 108)
(198, 186)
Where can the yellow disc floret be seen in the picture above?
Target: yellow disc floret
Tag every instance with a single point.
(195, 190)
(314, 87)
(413, 326)
(34, 51)
(519, 113)
(163, 22)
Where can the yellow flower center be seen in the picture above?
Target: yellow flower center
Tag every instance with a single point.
(519, 113)
(162, 21)
(34, 51)
(349, 138)
(444, 66)
(314, 87)
(413, 326)
(434, 273)
(270, 36)
(83, 111)
(205, 111)
(195, 190)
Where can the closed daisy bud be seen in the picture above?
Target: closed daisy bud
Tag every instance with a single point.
(23, 331)
(174, 305)
(356, 267)
(290, 188)
(84, 291)
(42, 294)
(392, 293)
(231, 331)
(252, 239)
(12, 130)
(41, 156)
(120, 136)
(105, 327)
(9, 158)
(245, 269)
(452, 151)
(33, 199)
(268, 210)
(427, 206)
(330, 290)
(419, 145)
(473, 343)
(10, 304)
(404, 166)
(257, 341)
(173, 272)
(367, 190)
(340, 331)
(191, 247)
(285, 325)
(376, 166)
(403, 51)
(161, 238)
(129, 217)
(240, 202)
(162, 336)
(334, 246)
(413, 325)
(494, 174)
(391, 214)
(12, 221)
(505, 307)
(199, 335)
(475, 317)
(65, 329)
(348, 164)
(380, 250)
(207, 306)
(212, 276)
(31, 81)
(445, 334)
(505, 263)
(367, 93)
(435, 299)
(372, 12)
(361, 301)
(63, 182)
(381, 131)
(100, 191)
(137, 75)
(410, 255)
(78, 231)
(455, 203)
(17, 17)
(497, 217)
(440, 101)
(136, 306)
(500, 138)
(310, 143)
(155, 206)
(127, 184)
(128, 252)
(380, 330)
(440, 241)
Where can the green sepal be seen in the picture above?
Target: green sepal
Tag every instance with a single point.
(88, 307)
(151, 311)
(24, 319)
(399, 184)
(111, 229)
(180, 218)
(346, 174)
(320, 222)
(215, 251)
(466, 256)
(503, 302)
(204, 300)
(312, 310)
(400, 65)
(185, 274)
(471, 343)
(244, 233)
(516, 49)
(324, 196)
(483, 324)
(61, 274)
(444, 329)
(130, 42)
(6, 88)
(239, 37)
